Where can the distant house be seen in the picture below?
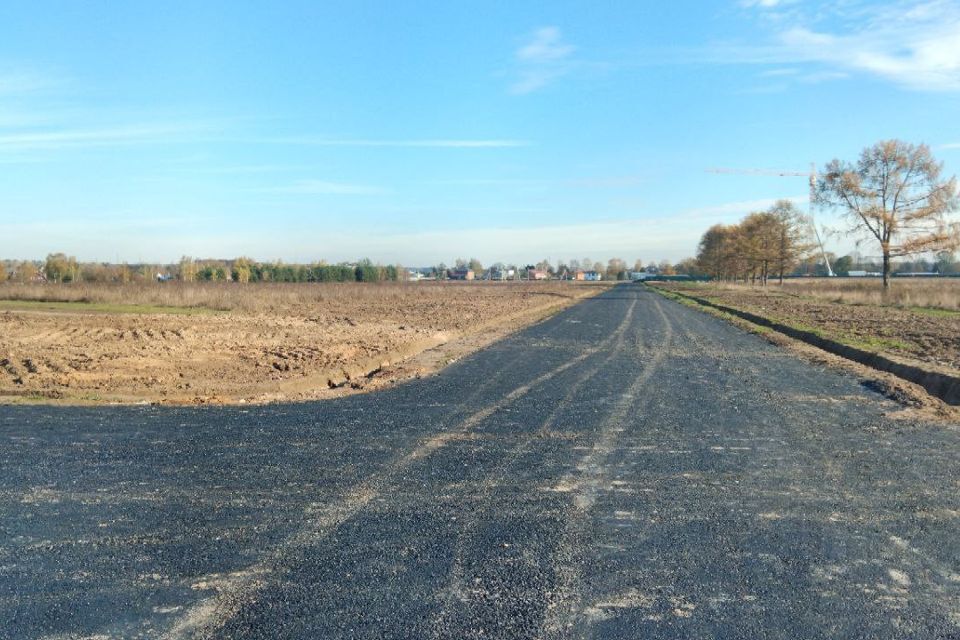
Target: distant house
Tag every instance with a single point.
(502, 274)
(461, 274)
(579, 274)
(538, 274)
(592, 276)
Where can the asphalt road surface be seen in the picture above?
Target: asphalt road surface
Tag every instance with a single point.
(629, 468)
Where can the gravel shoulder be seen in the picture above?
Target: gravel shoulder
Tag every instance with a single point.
(914, 334)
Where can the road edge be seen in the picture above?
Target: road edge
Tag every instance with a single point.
(915, 399)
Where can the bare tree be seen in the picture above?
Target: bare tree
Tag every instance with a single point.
(894, 194)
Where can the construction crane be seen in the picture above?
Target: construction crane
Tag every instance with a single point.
(811, 176)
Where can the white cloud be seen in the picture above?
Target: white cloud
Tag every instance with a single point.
(766, 4)
(16, 83)
(546, 45)
(541, 60)
(161, 238)
(109, 136)
(780, 72)
(822, 76)
(424, 143)
(326, 187)
(672, 237)
(914, 45)
(23, 138)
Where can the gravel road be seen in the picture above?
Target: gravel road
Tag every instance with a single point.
(630, 468)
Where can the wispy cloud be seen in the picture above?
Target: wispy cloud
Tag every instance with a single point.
(671, 236)
(588, 182)
(424, 143)
(951, 145)
(766, 4)
(543, 58)
(96, 137)
(913, 44)
(32, 139)
(326, 187)
(19, 82)
(780, 73)
(781, 80)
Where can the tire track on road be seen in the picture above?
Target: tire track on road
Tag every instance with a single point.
(455, 589)
(207, 616)
(566, 610)
(821, 458)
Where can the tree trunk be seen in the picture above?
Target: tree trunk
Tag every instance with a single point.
(886, 271)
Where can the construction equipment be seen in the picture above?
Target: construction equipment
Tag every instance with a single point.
(811, 176)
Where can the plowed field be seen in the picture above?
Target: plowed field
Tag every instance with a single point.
(317, 342)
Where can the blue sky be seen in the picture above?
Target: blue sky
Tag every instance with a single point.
(416, 132)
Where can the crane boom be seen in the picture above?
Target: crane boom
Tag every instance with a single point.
(810, 175)
(757, 172)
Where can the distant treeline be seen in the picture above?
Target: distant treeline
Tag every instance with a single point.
(61, 268)
(245, 270)
(780, 242)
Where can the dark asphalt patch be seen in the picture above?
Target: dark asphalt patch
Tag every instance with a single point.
(708, 485)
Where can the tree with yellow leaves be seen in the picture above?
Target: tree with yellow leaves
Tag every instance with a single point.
(894, 194)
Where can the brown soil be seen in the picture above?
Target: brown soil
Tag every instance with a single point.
(330, 346)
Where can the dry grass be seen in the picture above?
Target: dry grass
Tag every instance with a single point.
(931, 293)
(260, 297)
